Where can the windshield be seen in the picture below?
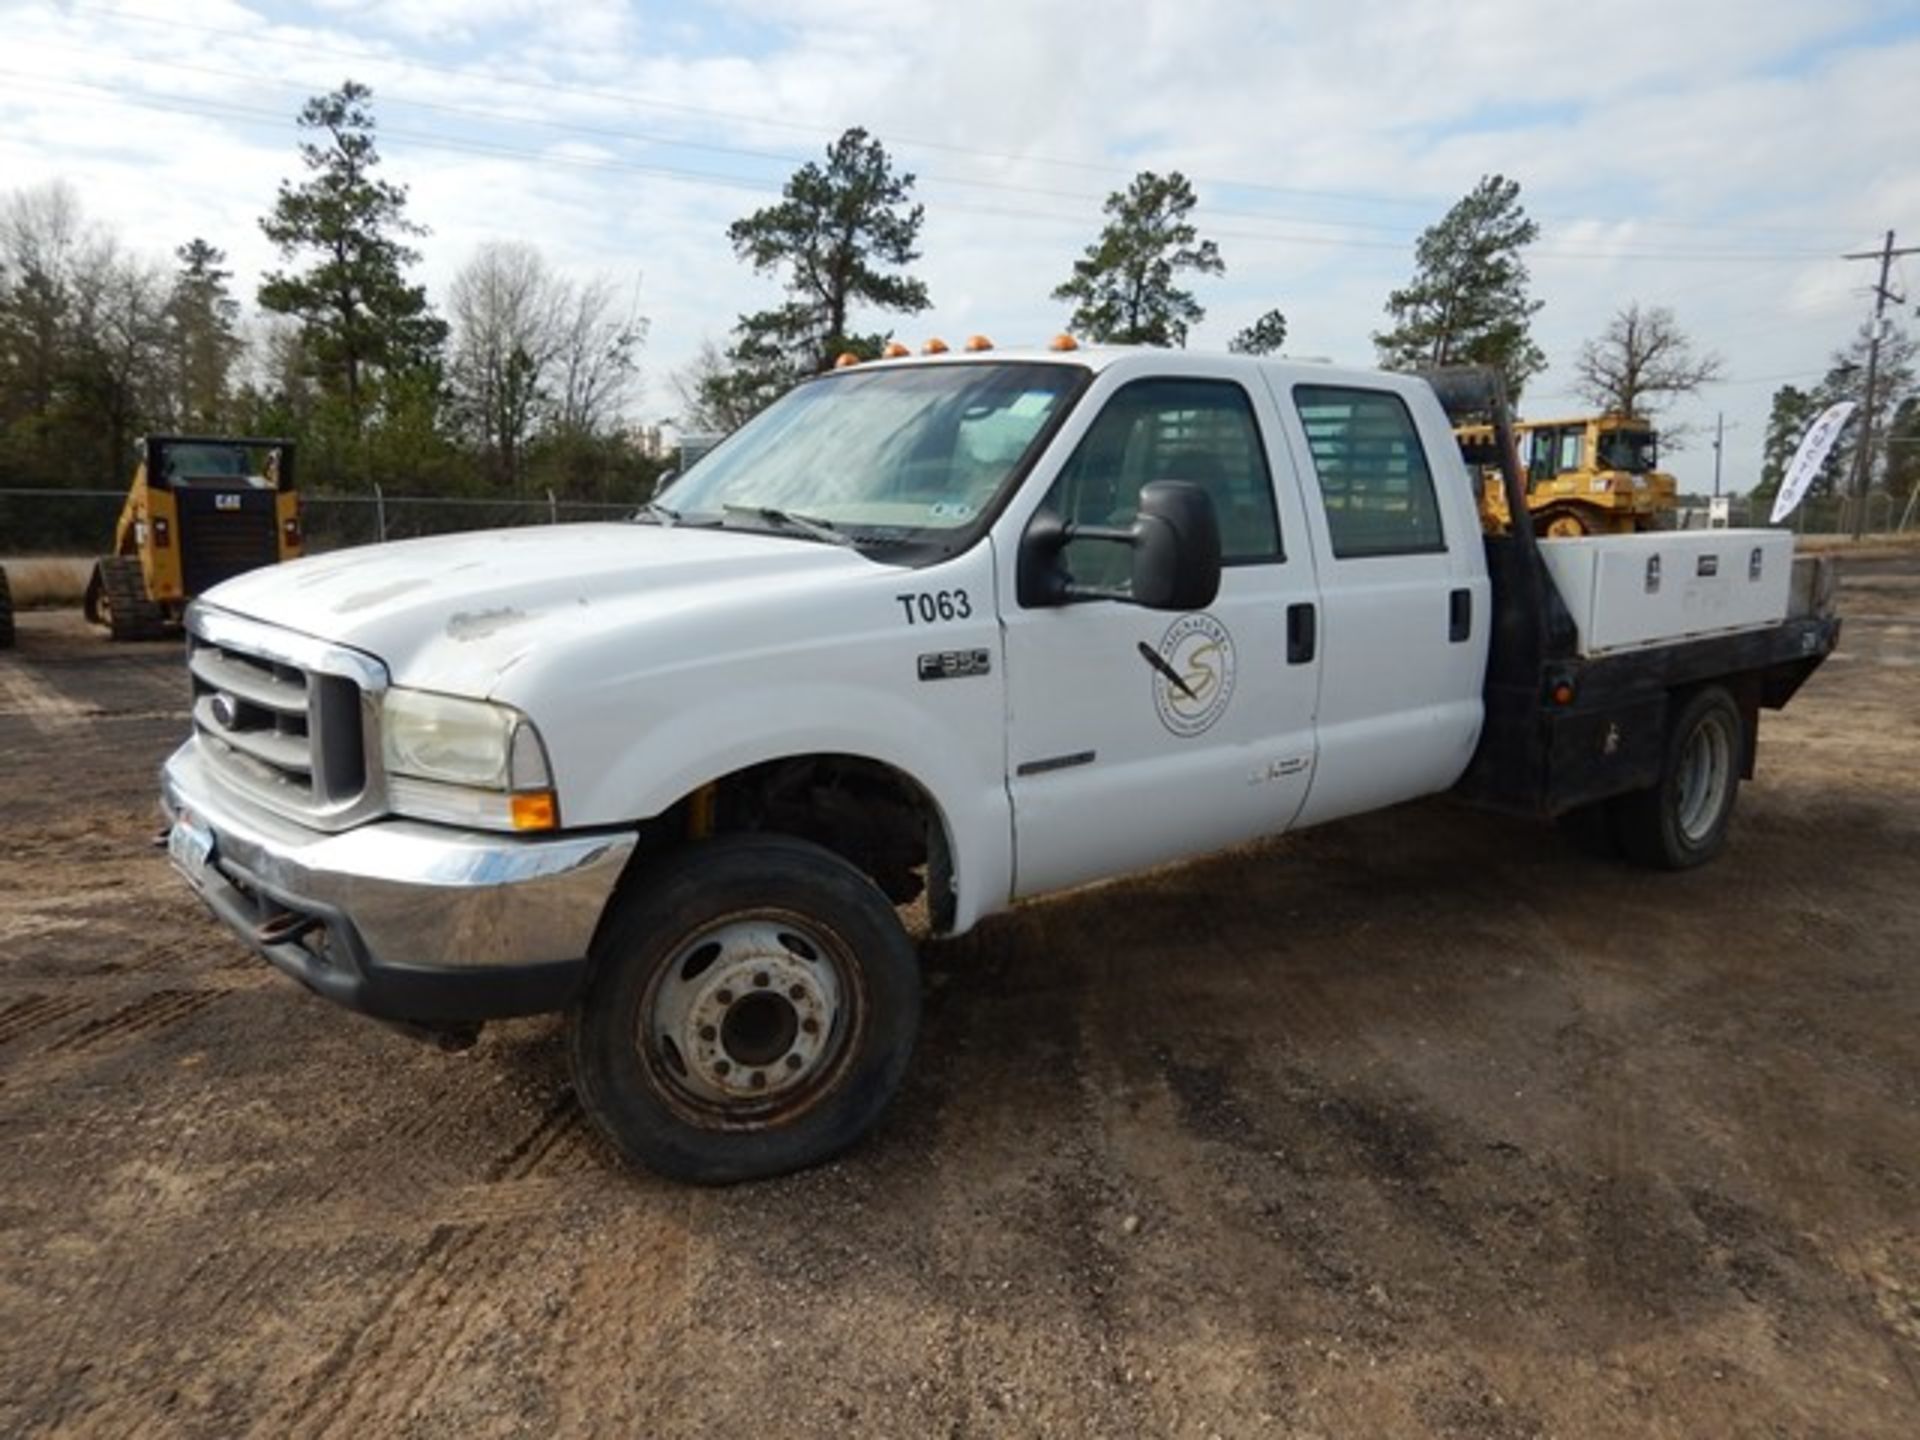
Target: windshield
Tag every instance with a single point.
(917, 449)
(1631, 450)
(208, 462)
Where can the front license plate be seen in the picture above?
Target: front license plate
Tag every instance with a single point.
(191, 845)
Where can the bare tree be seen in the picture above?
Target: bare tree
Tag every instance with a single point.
(119, 346)
(716, 396)
(82, 331)
(40, 232)
(1643, 360)
(507, 310)
(598, 366)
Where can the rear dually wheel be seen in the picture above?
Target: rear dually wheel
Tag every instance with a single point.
(1682, 820)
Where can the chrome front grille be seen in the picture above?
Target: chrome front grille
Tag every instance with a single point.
(285, 719)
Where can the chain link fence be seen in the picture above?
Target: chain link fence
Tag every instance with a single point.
(81, 522)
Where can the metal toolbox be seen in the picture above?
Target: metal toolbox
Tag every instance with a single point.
(1627, 591)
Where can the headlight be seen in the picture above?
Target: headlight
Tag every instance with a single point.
(465, 761)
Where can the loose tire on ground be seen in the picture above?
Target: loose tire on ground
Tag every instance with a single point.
(1682, 820)
(117, 598)
(6, 613)
(752, 1008)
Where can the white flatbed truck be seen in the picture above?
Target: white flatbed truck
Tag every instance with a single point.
(959, 630)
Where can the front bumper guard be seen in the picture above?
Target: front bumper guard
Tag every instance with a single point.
(398, 919)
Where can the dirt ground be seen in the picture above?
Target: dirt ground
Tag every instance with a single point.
(1416, 1125)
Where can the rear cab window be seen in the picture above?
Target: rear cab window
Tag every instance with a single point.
(1375, 483)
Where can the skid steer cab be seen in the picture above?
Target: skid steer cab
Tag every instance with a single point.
(201, 509)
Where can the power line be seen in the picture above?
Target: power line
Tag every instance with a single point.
(254, 115)
(633, 101)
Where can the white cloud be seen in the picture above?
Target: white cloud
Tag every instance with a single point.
(1650, 138)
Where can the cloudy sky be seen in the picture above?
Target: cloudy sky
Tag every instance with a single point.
(1715, 156)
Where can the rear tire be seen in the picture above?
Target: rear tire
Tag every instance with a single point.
(1682, 821)
(117, 597)
(752, 1009)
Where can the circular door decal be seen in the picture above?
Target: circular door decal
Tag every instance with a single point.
(1191, 691)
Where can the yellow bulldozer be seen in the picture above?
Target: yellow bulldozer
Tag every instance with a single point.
(1597, 475)
(201, 509)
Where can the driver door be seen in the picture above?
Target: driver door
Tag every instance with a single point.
(1138, 736)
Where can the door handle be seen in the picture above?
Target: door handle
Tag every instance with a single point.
(1300, 634)
(1459, 615)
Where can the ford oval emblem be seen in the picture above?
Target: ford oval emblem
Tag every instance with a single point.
(226, 710)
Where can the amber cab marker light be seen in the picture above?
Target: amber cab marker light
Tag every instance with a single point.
(535, 810)
(935, 346)
(895, 350)
(845, 359)
(1063, 342)
(977, 343)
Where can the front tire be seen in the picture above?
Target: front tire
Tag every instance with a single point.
(752, 1010)
(1682, 821)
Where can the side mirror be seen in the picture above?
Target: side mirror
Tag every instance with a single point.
(1176, 547)
(1175, 539)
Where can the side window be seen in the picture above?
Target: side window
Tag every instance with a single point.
(1374, 478)
(1198, 430)
(1541, 459)
(1571, 443)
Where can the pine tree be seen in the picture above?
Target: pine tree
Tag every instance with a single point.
(1123, 286)
(1263, 337)
(203, 337)
(360, 319)
(837, 238)
(1467, 303)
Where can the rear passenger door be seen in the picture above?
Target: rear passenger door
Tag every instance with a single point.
(1404, 605)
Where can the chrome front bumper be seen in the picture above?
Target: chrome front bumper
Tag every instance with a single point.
(396, 917)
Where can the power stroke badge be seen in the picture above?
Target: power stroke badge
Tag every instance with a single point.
(1193, 674)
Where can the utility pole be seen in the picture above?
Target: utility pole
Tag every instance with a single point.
(1719, 438)
(1863, 457)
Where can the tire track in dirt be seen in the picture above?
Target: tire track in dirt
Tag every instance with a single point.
(36, 1012)
(1024, 1112)
(155, 1011)
(371, 1378)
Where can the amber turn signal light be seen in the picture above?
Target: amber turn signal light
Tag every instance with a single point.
(535, 810)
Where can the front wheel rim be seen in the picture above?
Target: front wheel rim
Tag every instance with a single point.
(1706, 775)
(751, 1020)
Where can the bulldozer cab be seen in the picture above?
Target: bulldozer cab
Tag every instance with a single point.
(201, 509)
(1585, 476)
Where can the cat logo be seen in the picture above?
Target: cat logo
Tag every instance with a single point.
(226, 502)
(1193, 674)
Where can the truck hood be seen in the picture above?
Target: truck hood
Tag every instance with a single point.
(456, 612)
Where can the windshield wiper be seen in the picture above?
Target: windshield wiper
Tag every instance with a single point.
(664, 516)
(797, 524)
